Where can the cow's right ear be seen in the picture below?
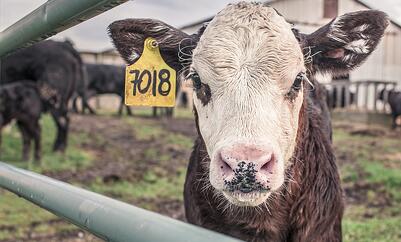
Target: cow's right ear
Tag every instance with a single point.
(345, 42)
(129, 35)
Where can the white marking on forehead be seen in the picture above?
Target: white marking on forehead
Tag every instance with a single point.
(248, 37)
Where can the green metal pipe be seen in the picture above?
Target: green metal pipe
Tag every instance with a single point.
(50, 18)
(106, 218)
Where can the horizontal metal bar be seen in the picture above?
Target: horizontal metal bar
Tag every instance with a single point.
(50, 18)
(106, 218)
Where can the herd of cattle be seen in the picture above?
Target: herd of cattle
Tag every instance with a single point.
(45, 77)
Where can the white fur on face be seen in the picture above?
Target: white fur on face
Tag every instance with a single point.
(249, 58)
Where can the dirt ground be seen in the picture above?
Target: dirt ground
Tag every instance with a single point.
(120, 137)
(125, 150)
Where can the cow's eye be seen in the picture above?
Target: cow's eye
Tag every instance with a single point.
(196, 81)
(297, 85)
(202, 90)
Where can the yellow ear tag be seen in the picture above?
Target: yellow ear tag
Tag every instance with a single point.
(150, 81)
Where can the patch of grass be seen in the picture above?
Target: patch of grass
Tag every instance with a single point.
(73, 159)
(348, 173)
(375, 216)
(180, 140)
(390, 178)
(151, 187)
(145, 129)
(19, 217)
(373, 230)
(183, 113)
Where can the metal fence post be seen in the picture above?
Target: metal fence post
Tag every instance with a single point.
(50, 18)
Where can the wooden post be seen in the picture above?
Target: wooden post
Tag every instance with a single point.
(375, 97)
(338, 95)
(385, 97)
(347, 95)
(366, 96)
(356, 98)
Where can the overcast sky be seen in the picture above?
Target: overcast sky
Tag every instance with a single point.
(91, 35)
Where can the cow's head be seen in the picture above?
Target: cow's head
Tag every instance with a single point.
(249, 72)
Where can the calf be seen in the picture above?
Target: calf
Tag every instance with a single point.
(56, 68)
(394, 100)
(21, 101)
(263, 167)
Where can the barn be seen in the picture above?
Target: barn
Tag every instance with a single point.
(382, 67)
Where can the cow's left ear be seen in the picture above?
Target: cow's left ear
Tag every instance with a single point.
(129, 36)
(345, 42)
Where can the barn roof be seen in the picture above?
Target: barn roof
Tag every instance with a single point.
(362, 2)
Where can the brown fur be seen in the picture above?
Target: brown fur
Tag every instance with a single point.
(309, 207)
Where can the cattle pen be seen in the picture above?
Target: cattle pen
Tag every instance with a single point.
(106, 218)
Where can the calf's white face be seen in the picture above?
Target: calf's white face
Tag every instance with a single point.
(248, 72)
(245, 66)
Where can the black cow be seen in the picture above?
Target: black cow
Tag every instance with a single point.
(82, 91)
(56, 67)
(394, 100)
(105, 79)
(21, 101)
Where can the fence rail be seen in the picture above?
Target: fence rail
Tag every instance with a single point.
(359, 95)
(106, 218)
(50, 18)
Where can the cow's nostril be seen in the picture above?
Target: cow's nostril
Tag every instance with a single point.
(225, 166)
(267, 167)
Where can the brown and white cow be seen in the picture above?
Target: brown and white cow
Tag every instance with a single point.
(263, 167)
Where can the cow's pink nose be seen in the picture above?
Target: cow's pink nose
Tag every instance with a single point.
(257, 159)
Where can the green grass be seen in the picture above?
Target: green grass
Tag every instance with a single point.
(180, 140)
(74, 158)
(20, 217)
(372, 230)
(371, 220)
(144, 129)
(151, 187)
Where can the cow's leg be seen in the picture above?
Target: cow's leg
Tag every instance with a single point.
(154, 109)
(129, 111)
(128, 108)
(394, 124)
(26, 140)
(85, 101)
(75, 105)
(170, 112)
(36, 134)
(86, 105)
(62, 122)
(121, 107)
